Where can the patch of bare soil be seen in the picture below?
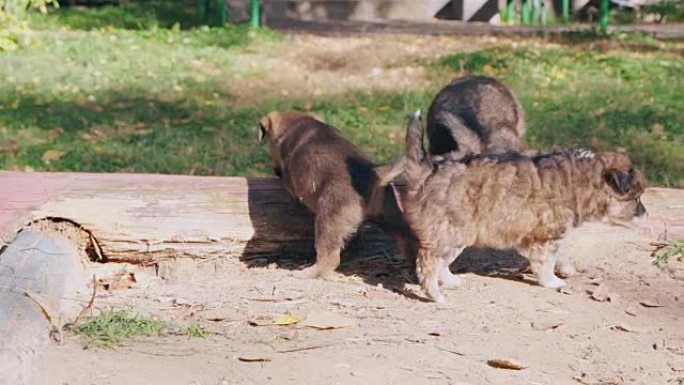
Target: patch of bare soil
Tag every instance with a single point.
(619, 321)
(315, 66)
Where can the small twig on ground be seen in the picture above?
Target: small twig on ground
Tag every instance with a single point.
(450, 351)
(303, 348)
(183, 354)
(89, 306)
(56, 331)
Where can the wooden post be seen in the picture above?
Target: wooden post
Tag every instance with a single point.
(525, 12)
(255, 14)
(202, 12)
(605, 9)
(221, 13)
(510, 11)
(566, 11)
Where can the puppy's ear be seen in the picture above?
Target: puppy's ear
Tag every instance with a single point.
(264, 127)
(620, 181)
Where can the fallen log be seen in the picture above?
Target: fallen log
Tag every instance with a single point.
(142, 218)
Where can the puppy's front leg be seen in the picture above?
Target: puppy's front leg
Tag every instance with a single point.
(543, 263)
(428, 267)
(447, 279)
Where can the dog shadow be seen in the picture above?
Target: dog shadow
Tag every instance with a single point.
(283, 235)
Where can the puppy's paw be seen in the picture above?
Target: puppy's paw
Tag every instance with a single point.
(435, 295)
(566, 270)
(313, 271)
(551, 282)
(448, 280)
(438, 298)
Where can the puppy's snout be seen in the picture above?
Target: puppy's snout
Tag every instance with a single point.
(640, 209)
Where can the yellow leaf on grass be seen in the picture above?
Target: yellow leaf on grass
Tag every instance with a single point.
(286, 319)
(52, 155)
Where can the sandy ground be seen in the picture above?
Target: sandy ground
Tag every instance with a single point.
(619, 321)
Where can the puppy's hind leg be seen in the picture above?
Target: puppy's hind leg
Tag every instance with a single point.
(428, 267)
(333, 226)
(447, 279)
(543, 264)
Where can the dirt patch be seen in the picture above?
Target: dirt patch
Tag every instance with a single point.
(315, 66)
(598, 330)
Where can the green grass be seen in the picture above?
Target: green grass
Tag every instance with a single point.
(197, 331)
(137, 15)
(112, 328)
(669, 251)
(161, 100)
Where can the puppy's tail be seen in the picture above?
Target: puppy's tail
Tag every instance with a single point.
(467, 140)
(416, 160)
(386, 173)
(415, 152)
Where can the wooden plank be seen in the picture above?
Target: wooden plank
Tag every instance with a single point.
(138, 217)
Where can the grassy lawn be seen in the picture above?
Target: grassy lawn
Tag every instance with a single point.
(122, 89)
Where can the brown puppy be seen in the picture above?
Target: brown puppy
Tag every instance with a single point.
(475, 115)
(336, 181)
(510, 201)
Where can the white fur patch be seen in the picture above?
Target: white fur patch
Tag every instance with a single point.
(416, 115)
(581, 153)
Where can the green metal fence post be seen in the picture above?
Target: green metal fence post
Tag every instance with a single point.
(566, 11)
(221, 12)
(202, 12)
(525, 13)
(604, 16)
(256, 17)
(510, 11)
(542, 12)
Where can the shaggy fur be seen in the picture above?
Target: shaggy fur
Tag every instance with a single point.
(336, 181)
(475, 115)
(510, 201)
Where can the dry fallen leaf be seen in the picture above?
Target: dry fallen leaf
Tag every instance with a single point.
(602, 294)
(647, 302)
(676, 366)
(505, 364)
(327, 320)
(122, 280)
(218, 314)
(625, 328)
(546, 325)
(254, 359)
(52, 155)
(261, 321)
(286, 319)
